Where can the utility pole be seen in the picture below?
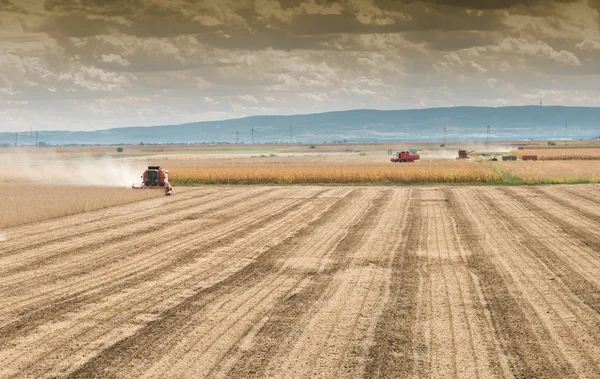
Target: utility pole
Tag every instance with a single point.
(488, 134)
(253, 136)
(566, 128)
(291, 133)
(237, 137)
(36, 138)
(444, 134)
(16, 139)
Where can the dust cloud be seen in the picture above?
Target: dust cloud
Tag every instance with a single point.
(2, 237)
(51, 168)
(451, 153)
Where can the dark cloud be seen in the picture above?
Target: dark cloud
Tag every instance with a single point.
(186, 60)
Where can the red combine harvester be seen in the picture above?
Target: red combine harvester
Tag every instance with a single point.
(405, 156)
(464, 154)
(155, 178)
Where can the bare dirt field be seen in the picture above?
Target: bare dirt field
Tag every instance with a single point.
(304, 282)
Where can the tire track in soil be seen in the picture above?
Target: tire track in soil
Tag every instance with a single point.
(588, 195)
(82, 288)
(589, 239)
(474, 360)
(176, 318)
(37, 314)
(197, 276)
(580, 256)
(324, 265)
(62, 229)
(293, 314)
(517, 337)
(565, 318)
(391, 355)
(580, 286)
(54, 249)
(104, 250)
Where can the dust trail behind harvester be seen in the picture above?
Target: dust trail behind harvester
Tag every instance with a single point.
(2, 237)
(51, 168)
(449, 153)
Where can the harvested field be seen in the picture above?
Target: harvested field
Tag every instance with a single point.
(302, 282)
(552, 172)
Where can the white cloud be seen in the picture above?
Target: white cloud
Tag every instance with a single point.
(248, 99)
(315, 96)
(115, 58)
(210, 101)
(588, 44)
(202, 83)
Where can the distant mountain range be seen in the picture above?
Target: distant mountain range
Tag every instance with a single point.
(362, 125)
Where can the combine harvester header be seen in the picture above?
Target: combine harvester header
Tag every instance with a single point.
(155, 178)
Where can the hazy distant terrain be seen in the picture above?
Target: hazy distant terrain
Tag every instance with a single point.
(462, 123)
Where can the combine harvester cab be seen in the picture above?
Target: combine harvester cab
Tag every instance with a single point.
(155, 178)
(406, 156)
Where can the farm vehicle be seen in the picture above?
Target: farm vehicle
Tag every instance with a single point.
(155, 178)
(464, 154)
(406, 156)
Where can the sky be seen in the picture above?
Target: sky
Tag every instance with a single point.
(97, 64)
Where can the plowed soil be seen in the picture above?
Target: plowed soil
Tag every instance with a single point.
(305, 282)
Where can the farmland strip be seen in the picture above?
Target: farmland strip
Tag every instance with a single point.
(565, 320)
(178, 316)
(30, 318)
(513, 330)
(586, 290)
(392, 352)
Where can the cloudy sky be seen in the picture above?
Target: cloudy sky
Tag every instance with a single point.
(94, 64)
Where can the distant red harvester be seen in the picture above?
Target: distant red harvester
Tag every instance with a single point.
(405, 156)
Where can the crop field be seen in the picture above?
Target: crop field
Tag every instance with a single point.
(311, 281)
(563, 153)
(552, 172)
(259, 172)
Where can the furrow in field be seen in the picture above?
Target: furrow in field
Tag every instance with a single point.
(259, 301)
(160, 293)
(589, 193)
(80, 290)
(578, 222)
(271, 343)
(391, 354)
(117, 246)
(575, 263)
(63, 228)
(517, 334)
(175, 328)
(344, 311)
(473, 337)
(46, 248)
(568, 322)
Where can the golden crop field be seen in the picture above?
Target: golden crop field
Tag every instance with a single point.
(552, 171)
(563, 153)
(330, 172)
(31, 203)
